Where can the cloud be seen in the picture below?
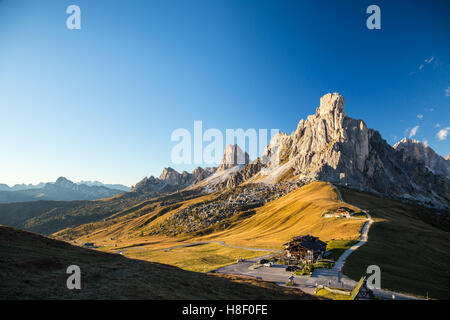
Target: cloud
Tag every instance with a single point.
(437, 125)
(413, 131)
(429, 60)
(447, 92)
(442, 134)
(420, 116)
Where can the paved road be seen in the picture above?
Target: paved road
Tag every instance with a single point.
(279, 275)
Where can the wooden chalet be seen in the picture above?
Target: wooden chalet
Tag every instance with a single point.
(306, 249)
(344, 211)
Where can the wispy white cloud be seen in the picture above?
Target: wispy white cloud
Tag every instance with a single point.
(437, 125)
(422, 65)
(447, 92)
(413, 131)
(443, 133)
(420, 116)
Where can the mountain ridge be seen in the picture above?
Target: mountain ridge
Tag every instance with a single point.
(422, 152)
(330, 146)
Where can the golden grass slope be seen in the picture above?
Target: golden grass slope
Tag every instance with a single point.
(299, 212)
(200, 258)
(267, 227)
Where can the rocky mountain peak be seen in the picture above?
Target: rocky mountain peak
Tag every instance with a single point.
(410, 148)
(167, 173)
(331, 103)
(64, 182)
(233, 156)
(171, 180)
(330, 146)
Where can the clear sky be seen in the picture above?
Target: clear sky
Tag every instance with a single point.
(101, 103)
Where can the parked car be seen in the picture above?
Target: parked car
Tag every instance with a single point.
(268, 264)
(292, 268)
(263, 261)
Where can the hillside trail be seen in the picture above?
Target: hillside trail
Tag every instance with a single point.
(364, 236)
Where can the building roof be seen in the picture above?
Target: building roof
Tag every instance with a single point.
(342, 209)
(308, 242)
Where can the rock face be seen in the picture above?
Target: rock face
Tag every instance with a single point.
(420, 151)
(171, 180)
(330, 146)
(233, 156)
(200, 174)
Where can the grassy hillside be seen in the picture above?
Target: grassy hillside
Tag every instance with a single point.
(269, 226)
(133, 224)
(410, 244)
(299, 212)
(200, 258)
(34, 267)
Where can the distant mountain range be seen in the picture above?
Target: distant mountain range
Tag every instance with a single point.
(61, 190)
(109, 186)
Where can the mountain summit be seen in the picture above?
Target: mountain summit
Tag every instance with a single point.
(171, 180)
(422, 152)
(330, 146)
(233, 156)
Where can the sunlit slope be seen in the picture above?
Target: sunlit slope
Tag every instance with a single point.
(269, 226)
(131, 226)
(299, 212)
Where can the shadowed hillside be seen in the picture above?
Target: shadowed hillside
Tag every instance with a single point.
(410, 244)
(34, 267)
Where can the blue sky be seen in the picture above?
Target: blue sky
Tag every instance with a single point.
(101, 103)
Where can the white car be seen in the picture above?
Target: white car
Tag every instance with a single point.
(268, 264)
